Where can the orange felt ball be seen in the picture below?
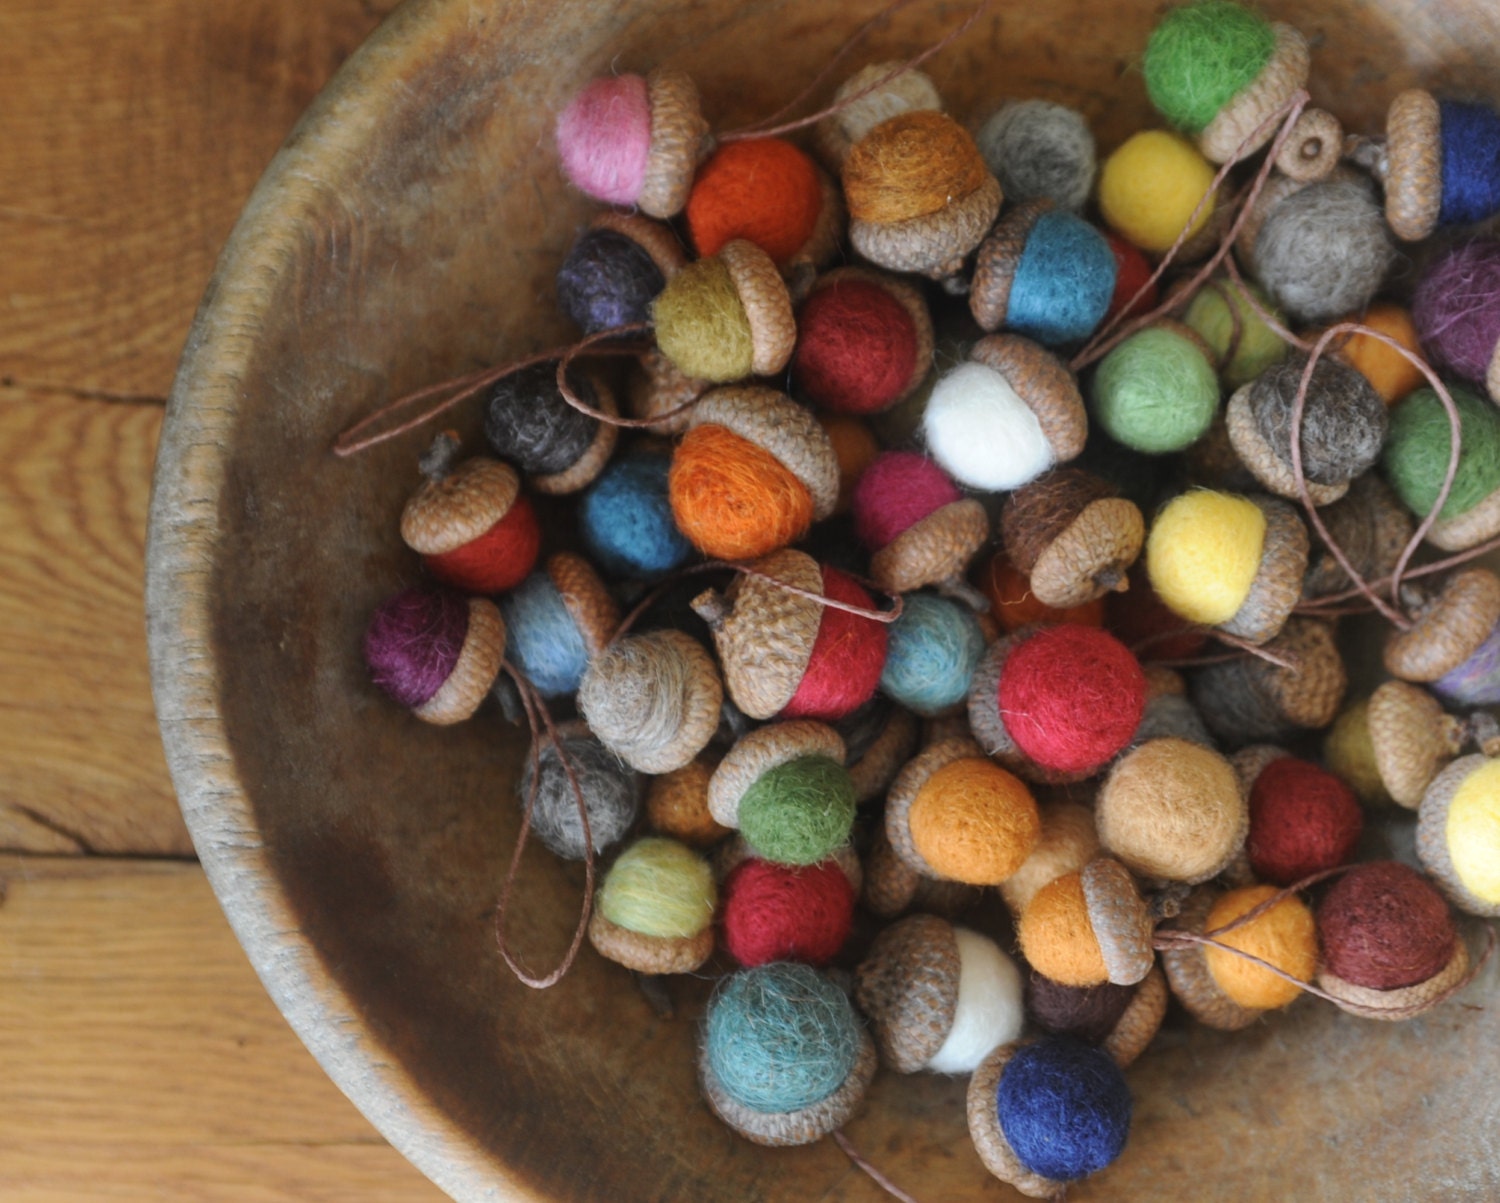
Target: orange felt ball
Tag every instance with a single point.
(1013, 605)
(1057, 937)
(974, 822)
(1285, 936)
(854, 447)
(1390, 372)
(732, 499)
(761, 189)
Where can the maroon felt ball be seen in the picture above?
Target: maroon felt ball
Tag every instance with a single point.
(1303, 820)
(774, 912)
(1385, 926)
(895, 492)
(856, 348)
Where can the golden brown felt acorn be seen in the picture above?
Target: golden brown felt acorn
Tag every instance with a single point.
(1250, 698)
(677, 803)
(1073, 536)
(1371, 526)
(903, 91)
(1089, 927)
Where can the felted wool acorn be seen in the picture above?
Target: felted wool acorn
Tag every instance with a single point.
(1370, 525)
(878, 738)
(1389, 946)
(954, 815)
(726, 317)
(1458, 833)
(1089, 927)
(615, 269)
(652, 699)
(470, 522)
(1151, 186)
(1249, 698)
(655, 908)
(871, 95)
(1454, 639)
(611, 793)
(784, 788)
(784, 1058)
(1303, 819)
(919, 529)
(753, 472)
(935, 646)
(1158, 390)
(1056, 703)
(1389, 372)
(1243, 345)
(559, 618)
(1121, 1020)
(856, 448)
(625, 518)
(1048, 1112)
(1067, 842)
(939, 998)
(435, 651)
(1013, 605)
(1343, 427)
(864, 341)
(1073, 536)
(918, 193)
(634, 141)
(557, 447)
(1415, 462)
(1456, 311)
(1169, 711)
(1006, 416)
(786, 654)
(677, 803)
(773, 912)
(1042, 272)
(1223, 990)
(654, 387)
(1040, 150)
(1171, 810)
(1235, 563)
(892, 887)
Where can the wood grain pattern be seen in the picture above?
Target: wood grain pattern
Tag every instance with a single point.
(144, 1061)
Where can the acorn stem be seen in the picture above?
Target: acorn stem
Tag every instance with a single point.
(653, 987)
(1367, 153)
(438, 460)
(508, 696)
(1484, 732)
(711, 606)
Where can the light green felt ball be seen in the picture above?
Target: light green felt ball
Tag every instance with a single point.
(1155, 392)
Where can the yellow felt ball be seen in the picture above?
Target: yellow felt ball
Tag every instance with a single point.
(1474, 832)
(1150, 186)
(1391, 373)
(1349, 752)
(1285, 936)
(1203, 554)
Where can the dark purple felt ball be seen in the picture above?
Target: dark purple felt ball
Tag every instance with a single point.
(414, 640)
(1456, 308)
(607, 280)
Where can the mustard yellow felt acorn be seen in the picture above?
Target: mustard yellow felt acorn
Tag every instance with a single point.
(891, 887)
(677, 803)
(1089, 927)
(1067, 842)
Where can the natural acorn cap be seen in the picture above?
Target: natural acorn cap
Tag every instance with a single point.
(679, 139)
(1432, 836)
(902, 91)
(760, 751)
(1120, 918)
(1371, 526)
(907, 986)
(933, 550)
(581, 472)
(1068, 842)
(768, 305)
(586, 599)
(653, 237)
(1278, 80)
(877, 765)
(908, 784)
(457, 505)
(1262, 461)
(655, 387)
(822, 244)
(1043, 382)
(1249, 763)
(1404, 1002)
(1250, 698)
(998, 258)
(649, 954)
(1313, 148)
(1465, 530)
(475, 671)
(935, 245)
(1277, 586)
(1412, 166)
(1137, 1027)
(1072, 535)
(773, 421)
(1448, 629)
(892, 887)
(909, 298)
(1412, 738)
(988, 1137)
(1190, 977)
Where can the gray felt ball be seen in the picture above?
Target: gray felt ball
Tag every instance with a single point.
(1343, 420)
(611, 791)
(1036, 148)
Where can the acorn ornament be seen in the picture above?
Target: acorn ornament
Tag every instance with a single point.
(871, 95)
(611, 792)
(1370, 525)
(1456, 312)
(1013, 605)
(1158, 390)
(559, 448)
(1458, 833)
(1072, 535)
(934, 649)
(1453, 643)
(1415, 462)
(655, 908)
(677, 803)
(919, 529)
(773, 912)
(1040, 150)
(435, 652)
(1243, 345)
(1089, 927)
(1303, 819)
(1121, 1020)
(891, 887)
(1169, 710)
(615, 269)
(1156, 190)
(1250, 698)
(560, 618)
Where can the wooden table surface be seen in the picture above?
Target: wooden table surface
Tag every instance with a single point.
(139, 1056)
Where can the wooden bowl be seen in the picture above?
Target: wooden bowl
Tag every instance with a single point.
(408, 232)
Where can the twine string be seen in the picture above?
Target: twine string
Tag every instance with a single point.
(588, 346)
(1243, 648)
(863, 1163)
(1329, 603)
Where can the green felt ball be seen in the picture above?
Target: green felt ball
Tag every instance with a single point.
(1417, 449)
(1155, 392)
(1200, 56)
(1223, 318)
(798, 812)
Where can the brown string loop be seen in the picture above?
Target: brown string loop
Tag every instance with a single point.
(863, 1163)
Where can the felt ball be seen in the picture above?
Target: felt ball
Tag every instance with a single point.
(1038, 149)
(935, 646)
(1133, 272)
(1067, 843)
(1203, 553)
(660, 888)
(1285, 936)
(413, 642)
(677, 804)
(1057, 936)
(1303, 820)
(544, 640)
(1071, 697)
(982, 433)
(777, 912)
(1470, 136)
(1239, 338)
(1146, 625)
(857, 348)
(1156, 391)
(527, 422)
(1384, 926)
(1456, 308)
(1063, 283)
(763, 190)
(848, 655)
(1324, 250)
(611, 795)
(1013, 605)
(974, 822)
(1475, 682)
(1088, 1013)
(898, 490)
(604, 138)
(1419, 443)
(1350, 752)
(855, 448)
(1202, 55)
(912, 165)
(780, 1037)
(1473, 832)
(1064, 1108)
(1389, 372)
(625, 518)
(496, 561)
(732, 498)
(607, 280)
(1150, 187)
(988, 1011)
(1343, 418)
(798, 812)
(701, 324)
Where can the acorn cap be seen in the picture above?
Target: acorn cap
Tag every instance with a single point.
(1412, 737)
(475, 670)
(1285, 71)
(1306, 696)
(933, 549)
(656, 239)
(882, 760)
(782, 1129)
(655, 386)
(1492, 373)
(1371, 526)
(1471, 527)
(679, 139)
(1067, 843)
(892, 887)
(908, 297)
(581, 472)
(823, 243)
(1072, 536)
(765, 634)
(1249, 763)
(987, 724)
(774, 422)
(587, 601)
(760, 751)
(1213, 462)
(1190, 977)
(1277, 586)
(1448, 630)
(1044, 383)
(1137, 1027)
(1404, 1002)
(455, 508)
(1432, 836)
(998, 258)
(836, 134)
(908, 784)
(649, 954)
(935, 244)
(1258, 456)
(1413, 165)
(1120, 918)
(907, 986)
(767, 304)
(988, 1137)
(1314, 146)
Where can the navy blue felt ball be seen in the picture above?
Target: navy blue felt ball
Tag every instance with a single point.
(1064, 1108)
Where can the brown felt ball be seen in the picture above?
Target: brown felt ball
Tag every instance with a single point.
(1383, 925)
(1057, 937)
(1088, 1012)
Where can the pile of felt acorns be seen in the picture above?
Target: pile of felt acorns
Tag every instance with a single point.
(870, 372)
